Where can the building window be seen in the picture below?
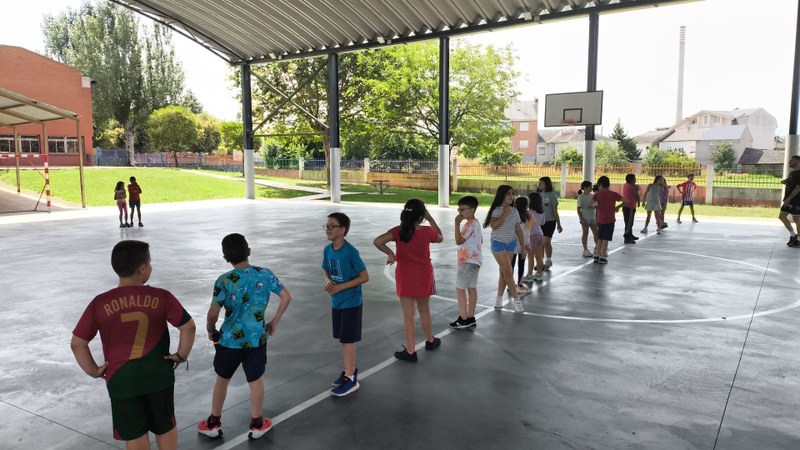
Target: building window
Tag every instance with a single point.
(28, 144)
(62, 145)
(523, 144)
(523, 126)
(542, 150)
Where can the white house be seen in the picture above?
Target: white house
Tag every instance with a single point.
(551, 142)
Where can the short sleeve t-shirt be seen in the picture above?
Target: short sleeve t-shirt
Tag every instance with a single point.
(132, 322)
(470, 250)
(506, 232)
(417, 250)
(344, 264)
(791, 184)
(688, 188)
(536, 222)
(133, 192)
(244, 295)
(606, 201)
(550, 201)
(119, 195)
(585, 203)
(629, 191)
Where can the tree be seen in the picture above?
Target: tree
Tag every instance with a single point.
(134, 67)
(627, 143)
(723, 156)
(231, 134)
(610, 155)
(172, 129)
(500, 158)
(569, 155)
(208, 136)
(669, 157)
(190, 102)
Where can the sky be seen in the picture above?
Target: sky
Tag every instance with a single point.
(739, 54)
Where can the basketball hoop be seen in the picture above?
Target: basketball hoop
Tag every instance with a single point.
(568, 122)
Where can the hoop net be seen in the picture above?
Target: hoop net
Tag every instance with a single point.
(568, 122)
(14, 198)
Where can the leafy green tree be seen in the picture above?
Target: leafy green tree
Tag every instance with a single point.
(134, 67)
(231, 135)
(670, 157)
(500, 158)
(569, 155)
(724, 156)
(172, 129)
(208, 136)
(607, 154)
(113, 136)
(627, 143)
(190, 102)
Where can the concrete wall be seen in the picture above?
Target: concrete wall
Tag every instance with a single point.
(748, 196)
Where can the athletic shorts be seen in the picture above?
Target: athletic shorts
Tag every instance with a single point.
(347, 324)
(498, 246)
(605, 231)
(786, 209)
(134, 417)
(135, 203)
(122, 206)
(537, 240)
(794, 210)
(548, 228)
(467, 276)
(590, 221)
(687, 202)
(252, 360)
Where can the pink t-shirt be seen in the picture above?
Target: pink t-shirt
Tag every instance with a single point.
(629, 191)
(606, 200)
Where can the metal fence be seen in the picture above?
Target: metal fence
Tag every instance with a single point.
(758, 178)
(404, 166)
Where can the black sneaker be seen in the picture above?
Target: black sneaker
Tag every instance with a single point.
(472, 322)
(664, 225)
(432, 345)
(140, 224)
(459, 323)
(796, 243)
(125, 226)
(792, 241)
(596, 259)
(635, 238)
(403, 355)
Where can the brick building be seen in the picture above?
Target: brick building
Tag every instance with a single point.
(524, 116)
(47, 81)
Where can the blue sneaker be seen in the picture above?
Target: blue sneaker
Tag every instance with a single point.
(339, 380)
(348, 386)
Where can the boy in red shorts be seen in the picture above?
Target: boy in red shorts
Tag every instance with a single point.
(139, 369)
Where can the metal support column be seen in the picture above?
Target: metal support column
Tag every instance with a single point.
(333, 127)
(17, 156)
(591, 86)
(792, 140)
(444, 122)
(80, 163)
(247, 121)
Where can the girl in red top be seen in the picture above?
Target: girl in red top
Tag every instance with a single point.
(414, 272)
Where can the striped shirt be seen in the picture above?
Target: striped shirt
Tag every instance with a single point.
(506, 232)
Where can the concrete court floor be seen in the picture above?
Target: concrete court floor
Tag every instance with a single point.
(684, 340)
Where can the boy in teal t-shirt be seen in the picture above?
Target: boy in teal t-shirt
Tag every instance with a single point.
(344, 272)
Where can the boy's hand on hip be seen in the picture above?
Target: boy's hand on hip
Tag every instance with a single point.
(270, 328)
(101, 370)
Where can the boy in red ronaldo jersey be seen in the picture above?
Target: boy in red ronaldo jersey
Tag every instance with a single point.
(139, 369)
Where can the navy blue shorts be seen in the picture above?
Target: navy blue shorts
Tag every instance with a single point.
(605, 231)
(252, 360)
(135, 203)
(347, 324)
(687, 202)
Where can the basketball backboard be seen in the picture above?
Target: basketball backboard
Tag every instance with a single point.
(573, 108)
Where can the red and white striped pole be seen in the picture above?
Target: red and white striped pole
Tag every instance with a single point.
(47, 180)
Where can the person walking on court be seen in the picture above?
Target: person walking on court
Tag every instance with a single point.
(587, 215)
(536, 252)
(686, 190)
(134, 191)
(122, 203)
(242, 339)
(414, 279)
(606, 204)
(139, 370)
(630, 191)
(663, 199)
(521, 205)
(552, 221)
(469, 239)
(344, 273)
(652, 197)
(791, 201)
(506, 236)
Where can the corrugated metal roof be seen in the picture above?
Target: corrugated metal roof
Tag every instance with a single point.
(267, 30)
(17, 109)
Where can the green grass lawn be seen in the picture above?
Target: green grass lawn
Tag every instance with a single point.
(158, 185)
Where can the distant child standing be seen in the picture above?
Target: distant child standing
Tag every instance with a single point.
(139, 370)
(630, 191)
(414, 273)
(587, 216)
(122, 203)
(606, 204)
(242, 339)
(663, 199)
(552, 221)
(686, 190)
(134, 190)
(470, 258)
(521, 205)
(536, 252)
(344, 272)
(652, 197)
(506, 236)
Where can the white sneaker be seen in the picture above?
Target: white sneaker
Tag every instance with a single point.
(523, 290)
(587, 254)
(527, 278)
(537, 277)
(548, 264)
(658, 230)
(498, 303)
(518, 308)
(644, 230)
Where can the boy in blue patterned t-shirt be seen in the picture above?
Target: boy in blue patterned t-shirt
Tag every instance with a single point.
(344, 272)
(242, 340)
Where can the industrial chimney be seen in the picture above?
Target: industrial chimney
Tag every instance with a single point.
(679, 109)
